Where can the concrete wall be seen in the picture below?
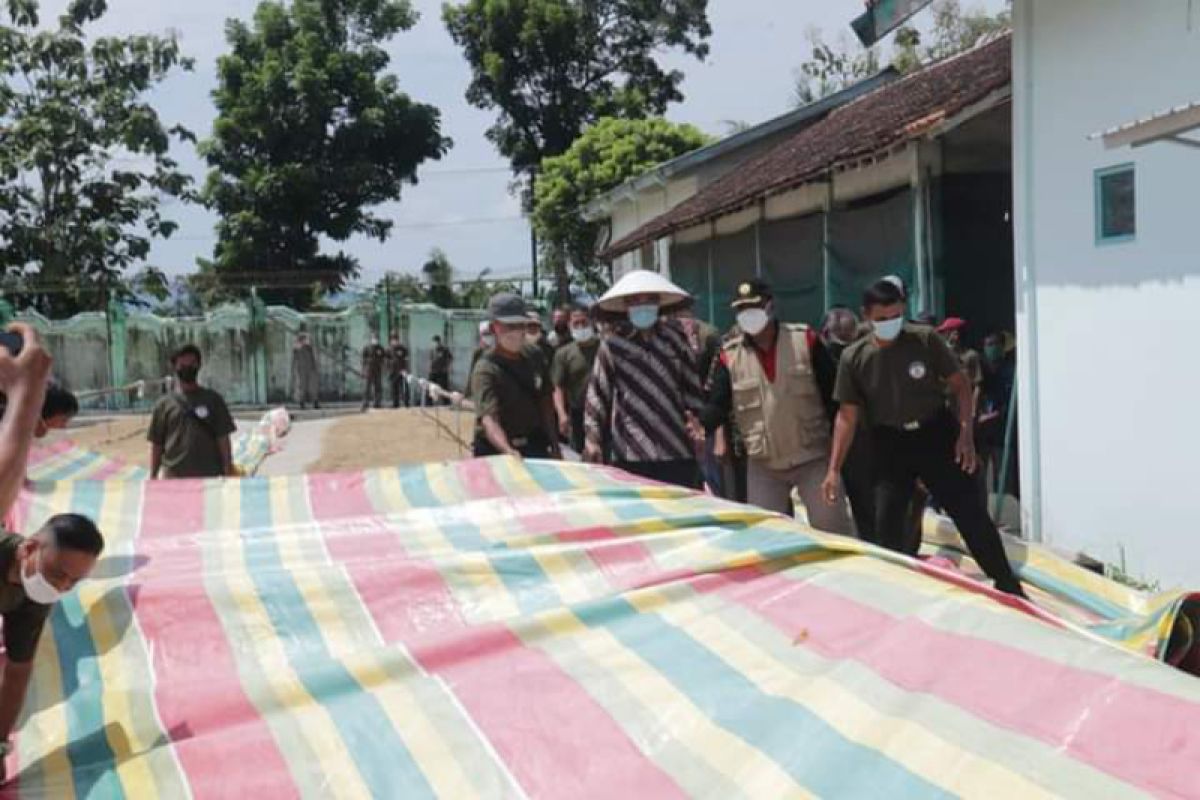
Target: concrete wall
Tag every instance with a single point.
(247, 363)
(1107, 331)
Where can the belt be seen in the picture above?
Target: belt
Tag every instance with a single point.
(912, 426)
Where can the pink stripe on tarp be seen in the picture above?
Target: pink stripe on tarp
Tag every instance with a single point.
(534, 714)
(198, 693)
(44, 452)
(478, 479)
(1143, 737)
(111, 468)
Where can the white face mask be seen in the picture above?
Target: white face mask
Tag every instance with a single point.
(37, 588)
(512, 341)
(754, 320)
(489, 341)
(583, 335)
(888, 329)
(643, 317)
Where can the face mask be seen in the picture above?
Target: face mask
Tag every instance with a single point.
(888, 329)
(753, 321)
(643, 317)
(583, 335)
(511, 341)
(533, 339)
(187, 374)
(37, 588)
(993, 352)
(489, 341)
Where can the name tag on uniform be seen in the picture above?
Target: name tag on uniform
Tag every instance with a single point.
(917, 370)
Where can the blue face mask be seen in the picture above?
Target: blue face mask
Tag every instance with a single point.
(643, 317)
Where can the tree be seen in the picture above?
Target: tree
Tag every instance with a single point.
(439, 276)
(550, 68)
(832, 68)
(84, 159)
(310, 135)
(607, 154)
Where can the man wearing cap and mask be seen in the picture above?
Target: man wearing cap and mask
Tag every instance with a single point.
(306, 380)
(773, 380)
(571, 372)
(514, 414)
(373, 359)
(397, 360)
(190, 428)
(953, 330)
(897, 379)
(645, 387)
(535, 336)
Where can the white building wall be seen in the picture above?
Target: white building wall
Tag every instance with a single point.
(1109, 351)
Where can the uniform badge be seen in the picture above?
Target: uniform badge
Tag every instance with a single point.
(917, 370)
(202, 412)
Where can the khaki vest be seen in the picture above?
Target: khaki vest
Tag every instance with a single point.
(783, 423)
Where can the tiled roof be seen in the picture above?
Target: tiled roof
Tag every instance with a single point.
(900, 111)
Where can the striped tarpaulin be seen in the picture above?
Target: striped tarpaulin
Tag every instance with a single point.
(493, 628)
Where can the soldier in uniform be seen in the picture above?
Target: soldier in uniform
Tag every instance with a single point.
(770, 380)
(440, 361)
(570, 374)
(398, 371)
(514, 415)
(373, 358)
(897, 378)
(306, 380)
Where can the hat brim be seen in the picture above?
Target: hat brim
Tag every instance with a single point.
(512, 320)
(641, 282)
(749, 302)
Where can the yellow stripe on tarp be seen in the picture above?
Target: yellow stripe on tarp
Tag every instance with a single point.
(132, 731)
(941, 762)
(688, 726)
(360, 649)
(43, 736)
(280, 693)
(478, 589)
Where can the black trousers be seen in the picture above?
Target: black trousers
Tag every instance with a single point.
(858, 476)
(901, 457)
(399, 390)
(577, 438)
(684, 472)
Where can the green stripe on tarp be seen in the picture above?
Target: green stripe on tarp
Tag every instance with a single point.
(884, 17)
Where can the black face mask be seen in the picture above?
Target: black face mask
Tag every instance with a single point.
(187, 374)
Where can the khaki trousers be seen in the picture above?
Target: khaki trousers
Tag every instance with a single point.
(772, 489)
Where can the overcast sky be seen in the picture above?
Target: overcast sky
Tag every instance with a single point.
(462, 203)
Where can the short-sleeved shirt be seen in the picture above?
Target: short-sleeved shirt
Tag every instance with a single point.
(898, 384)
(440, 361)
(188, 426)
(572, 369)
(23, 618)
(512, 390)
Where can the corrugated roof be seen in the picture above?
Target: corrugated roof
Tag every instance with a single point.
(897, 112)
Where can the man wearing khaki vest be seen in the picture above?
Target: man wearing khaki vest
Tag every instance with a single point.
(774, 380)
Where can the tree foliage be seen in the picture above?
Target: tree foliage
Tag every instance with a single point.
(311, 134)
(837, 66)
(607, 154)
(438, 284)
(832, 67)
(84, 159)
(550, 68)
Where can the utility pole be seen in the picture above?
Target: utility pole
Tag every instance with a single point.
(533, 238)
